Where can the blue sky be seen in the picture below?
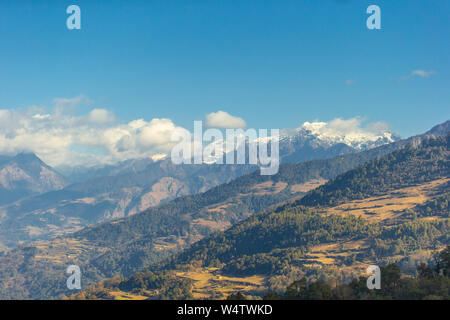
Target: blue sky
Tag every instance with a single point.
(276, 64)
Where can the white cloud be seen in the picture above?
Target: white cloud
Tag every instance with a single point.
(418, 73)
(100, 116)
(422, 73)
(59, 137)
(224, 120)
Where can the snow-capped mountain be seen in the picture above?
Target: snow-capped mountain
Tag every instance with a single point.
(319, 140)
(356, 138)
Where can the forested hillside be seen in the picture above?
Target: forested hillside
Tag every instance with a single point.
(393, 209)
(431, 282)
(405, 167)
(125, 246)
(288, 225)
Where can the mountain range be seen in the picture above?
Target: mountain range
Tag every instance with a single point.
(102, 193)
(69, 209)
(125, 246)
(391, 209)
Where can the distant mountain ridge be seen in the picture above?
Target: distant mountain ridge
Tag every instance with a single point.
(104, 198)
(106, 192)
(440, 129)
(316, 140)
(80, 174)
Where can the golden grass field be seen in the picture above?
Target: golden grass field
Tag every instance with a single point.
(390, 205)
(209, 282)
(307, 186)
(120, 295)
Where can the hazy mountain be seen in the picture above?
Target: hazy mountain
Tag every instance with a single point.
(83, 173)
(24, 175)
(75, 206)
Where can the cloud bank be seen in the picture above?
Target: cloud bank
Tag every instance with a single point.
(59, 137)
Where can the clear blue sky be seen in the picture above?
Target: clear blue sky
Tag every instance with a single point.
(273, 63)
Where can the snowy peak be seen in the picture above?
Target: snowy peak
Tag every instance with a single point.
(348, 132)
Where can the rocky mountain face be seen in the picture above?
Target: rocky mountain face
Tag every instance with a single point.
(24, 175)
